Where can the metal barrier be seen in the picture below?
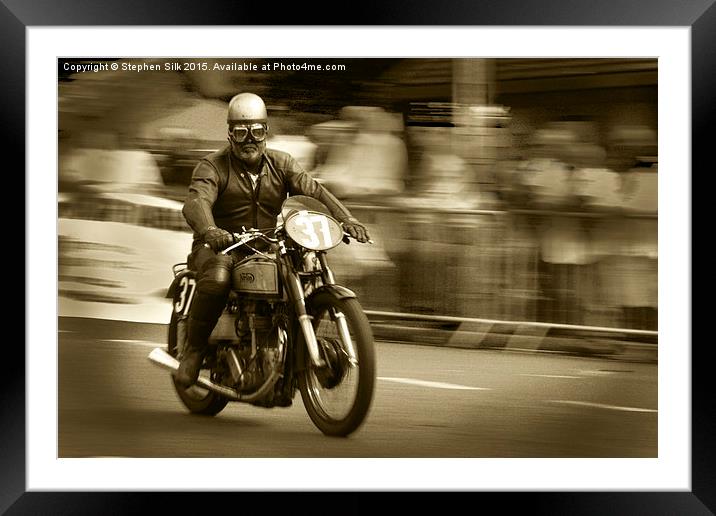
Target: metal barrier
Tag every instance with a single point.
(561, 268)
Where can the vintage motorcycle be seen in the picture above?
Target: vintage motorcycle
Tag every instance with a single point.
(287, 326)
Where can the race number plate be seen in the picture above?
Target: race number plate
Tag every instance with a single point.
(185, 289)
(314, 230)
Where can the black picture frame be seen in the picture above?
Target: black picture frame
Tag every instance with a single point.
(17, 15)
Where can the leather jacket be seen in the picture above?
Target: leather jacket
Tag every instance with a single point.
(221, 192)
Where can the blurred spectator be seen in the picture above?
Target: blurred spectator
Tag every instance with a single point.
(637, 271)
(438, 270)
(288, 133)
(551, 185)
(442, 179)
(330, 138)
(599, 189)
(106, 162)
(365, 158)
(172, 151)
(623, 247)
(301, 148)
(547, 173)
(108, 177)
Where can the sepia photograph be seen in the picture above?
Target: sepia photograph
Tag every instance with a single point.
(422, 257)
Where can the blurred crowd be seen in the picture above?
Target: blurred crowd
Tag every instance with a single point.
(566, 232)
(562, 229)
(597, 228)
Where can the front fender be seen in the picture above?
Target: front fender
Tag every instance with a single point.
(337, 291)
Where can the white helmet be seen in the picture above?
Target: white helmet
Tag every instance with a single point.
(246, 108)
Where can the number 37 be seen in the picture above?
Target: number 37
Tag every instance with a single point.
(186, 294)
(309, 223)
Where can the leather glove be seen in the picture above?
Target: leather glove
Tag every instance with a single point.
(217, 238)
(356, 230)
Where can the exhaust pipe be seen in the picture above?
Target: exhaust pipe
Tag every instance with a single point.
(160, 357)
(164, 360)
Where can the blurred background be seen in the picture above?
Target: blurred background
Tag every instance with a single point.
(504, 189)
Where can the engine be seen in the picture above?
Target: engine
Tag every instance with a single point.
(255, 352)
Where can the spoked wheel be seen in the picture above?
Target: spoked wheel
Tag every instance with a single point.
(197, 399)
(337, 397)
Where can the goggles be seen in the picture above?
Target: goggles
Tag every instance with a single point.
(240, 133)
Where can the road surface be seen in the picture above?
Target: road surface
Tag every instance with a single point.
(429, 402)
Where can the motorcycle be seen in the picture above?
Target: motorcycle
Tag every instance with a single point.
(288, 326)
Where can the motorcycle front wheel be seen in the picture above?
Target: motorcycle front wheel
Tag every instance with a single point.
(338, 397)
(196, 399)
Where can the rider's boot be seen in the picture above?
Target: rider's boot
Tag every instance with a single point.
(205, 312)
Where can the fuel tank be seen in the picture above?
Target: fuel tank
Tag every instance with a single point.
(257, 275)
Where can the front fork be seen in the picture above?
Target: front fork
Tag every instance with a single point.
(293, 283)
(338, 317)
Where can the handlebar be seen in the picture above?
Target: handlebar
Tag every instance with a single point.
(247, 236)
(244, 238)
(253, 234)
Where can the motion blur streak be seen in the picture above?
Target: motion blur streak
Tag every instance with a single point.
(601, 405)
(434, 385)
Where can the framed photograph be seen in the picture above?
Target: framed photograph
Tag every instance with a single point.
(576, 401)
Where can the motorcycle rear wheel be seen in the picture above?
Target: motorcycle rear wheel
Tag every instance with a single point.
(196, 399)
(338, 401)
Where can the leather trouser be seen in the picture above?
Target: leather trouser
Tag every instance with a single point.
(212, 292)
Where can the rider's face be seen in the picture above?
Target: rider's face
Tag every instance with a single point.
(249, 150)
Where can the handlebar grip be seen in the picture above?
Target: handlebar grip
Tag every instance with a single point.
(347, 236)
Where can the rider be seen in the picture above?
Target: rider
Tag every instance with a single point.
(241, 185)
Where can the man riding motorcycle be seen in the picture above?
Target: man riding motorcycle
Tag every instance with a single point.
(240, 185)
